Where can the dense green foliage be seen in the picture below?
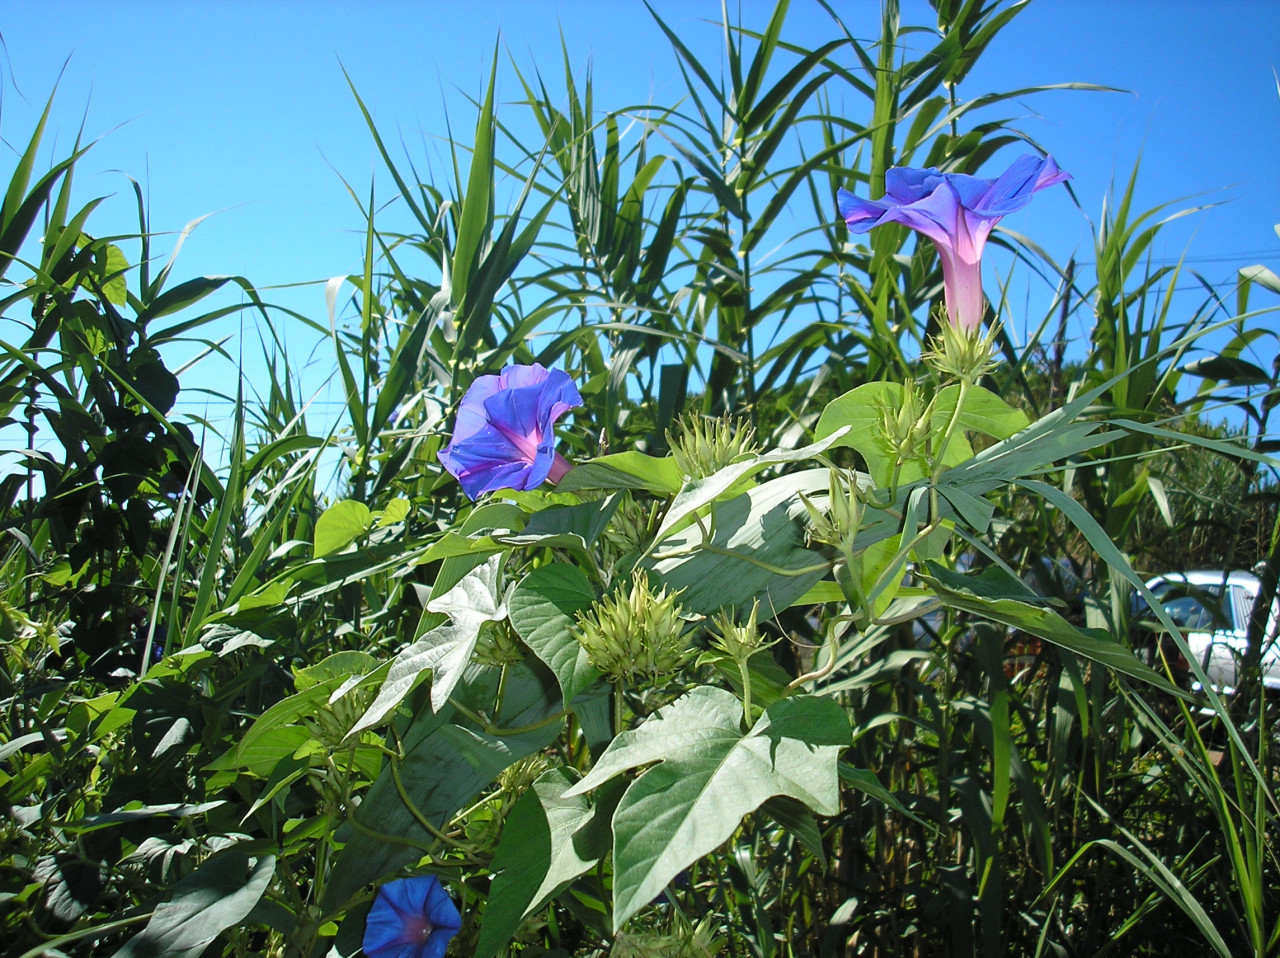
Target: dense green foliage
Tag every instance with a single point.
(235, 697)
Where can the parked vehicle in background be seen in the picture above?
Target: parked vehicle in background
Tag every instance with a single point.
(1212, 609)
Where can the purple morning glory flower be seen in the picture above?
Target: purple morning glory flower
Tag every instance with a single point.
(957, 212)
(411, 918)
(504, 437)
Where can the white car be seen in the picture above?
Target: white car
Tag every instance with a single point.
(1212, 610)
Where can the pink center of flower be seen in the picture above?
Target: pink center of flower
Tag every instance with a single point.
(527, 446)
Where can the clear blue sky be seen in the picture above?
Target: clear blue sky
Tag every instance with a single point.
(240, 108)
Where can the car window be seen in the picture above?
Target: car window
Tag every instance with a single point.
(1188, 612)
(1198, 608)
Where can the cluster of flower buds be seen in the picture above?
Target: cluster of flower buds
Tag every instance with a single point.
(496, 645)
(517, 777)
(702, 447)
(908, 426)
(332, 724)
(636, 634)
(484, 829)
(962, 352)
(837, 526)
(683, 940)
(738, 642)
(632, 527)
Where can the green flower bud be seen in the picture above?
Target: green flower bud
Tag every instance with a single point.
(332, 721)
(702, 446)
(967, 354)
(637, 634)
(484, 823)
(497, 645)
(739, 642)
(684, 940)
(839, 524)
(907, 427)
(517, 777)
(641, 944)
(631, 527)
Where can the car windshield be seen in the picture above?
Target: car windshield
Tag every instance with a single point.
(1194, 608)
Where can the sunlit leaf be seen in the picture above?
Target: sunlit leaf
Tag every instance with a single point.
(445, 650)
(709, 775)
(340, 525)
(543, 606)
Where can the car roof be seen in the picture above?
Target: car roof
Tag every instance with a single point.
(1237, 577)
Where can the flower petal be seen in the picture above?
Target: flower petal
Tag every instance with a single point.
(516, 376)
(906, 185)
(440, 909)
(1012, 190)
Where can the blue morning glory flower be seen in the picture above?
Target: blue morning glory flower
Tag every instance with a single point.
(411, 918)
(957, 212)
(504, 437)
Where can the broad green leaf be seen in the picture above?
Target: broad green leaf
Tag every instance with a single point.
(872, 565)
(260, 756)
(213, 898)
(397, 510)
(284, 713)
(821, 593)
(594, 712)
(269, 596)
(983, 412)
(709, 775)
(542, 608)
(340, 525)
(548, 840)
(340, 665)
(72, 885)
(115, 288)
(769, 680)
(446, 649)
(156, 385)
(757, 550)
(451, 545)
(102, 712)
(697, 493)
(568, 527)
(625, 470)
(858, 412)
(286, 772)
